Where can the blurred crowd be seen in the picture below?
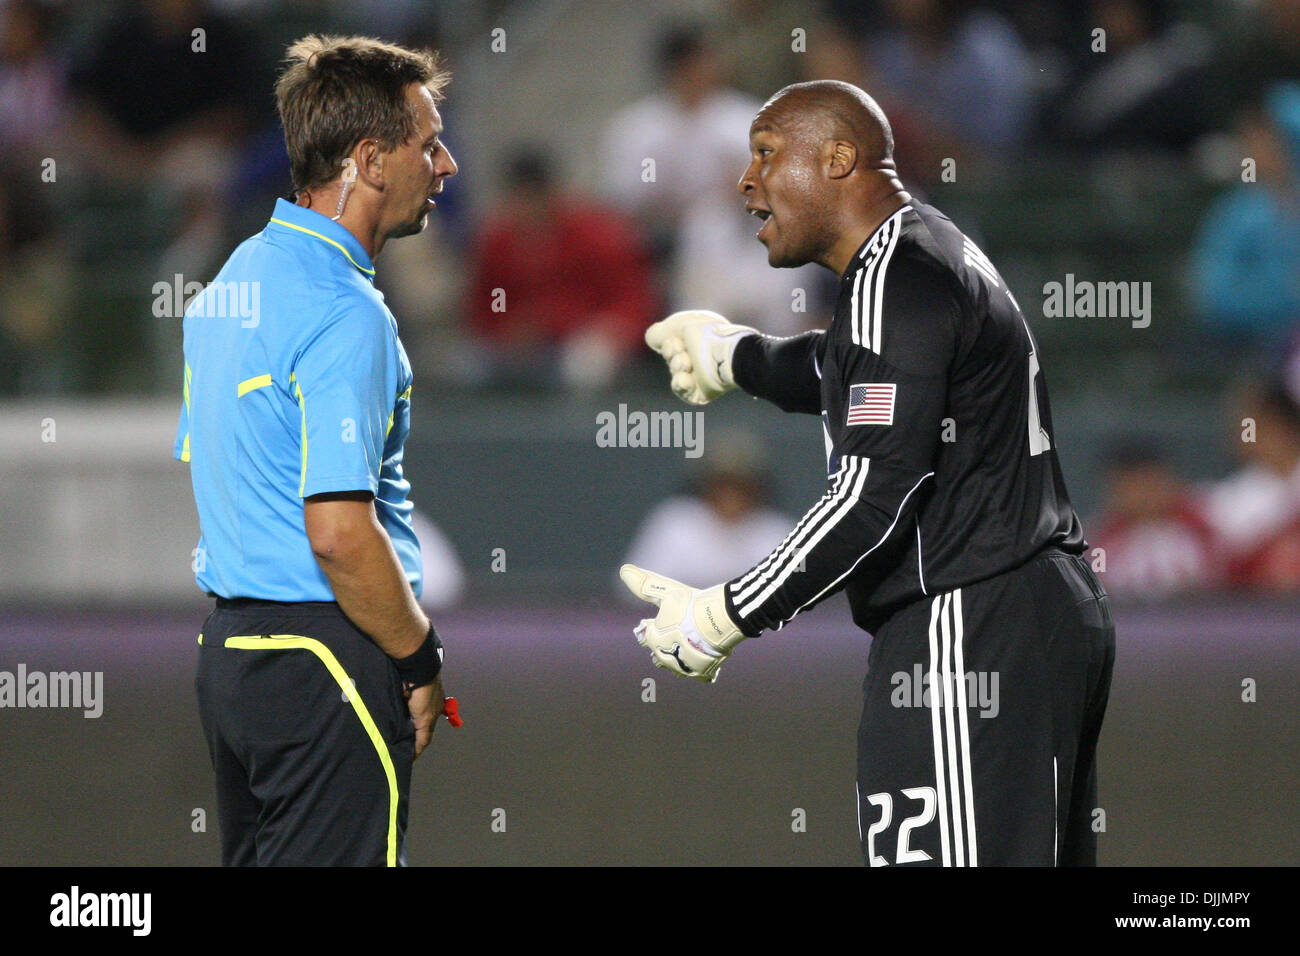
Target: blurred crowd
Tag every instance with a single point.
(138, 142)
(1160, 536)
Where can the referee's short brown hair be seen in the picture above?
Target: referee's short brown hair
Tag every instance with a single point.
(336, 91)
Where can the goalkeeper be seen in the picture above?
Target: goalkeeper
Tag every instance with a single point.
(945, 519)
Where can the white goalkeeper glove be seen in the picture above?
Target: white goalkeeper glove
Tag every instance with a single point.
(692, 634)
(697, 345)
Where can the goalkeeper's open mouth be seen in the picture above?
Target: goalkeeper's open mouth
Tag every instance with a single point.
(764, 214)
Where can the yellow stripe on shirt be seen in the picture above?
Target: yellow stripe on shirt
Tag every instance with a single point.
(302, 404)
(185, 446)
(337, 245)
(252, 384)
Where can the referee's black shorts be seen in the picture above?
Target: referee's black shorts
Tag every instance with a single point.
(309, 735)
(982, 708)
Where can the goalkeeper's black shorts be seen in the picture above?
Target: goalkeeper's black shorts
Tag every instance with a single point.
(309, 734)
(982, 708)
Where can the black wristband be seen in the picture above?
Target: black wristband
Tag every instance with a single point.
(424, 665)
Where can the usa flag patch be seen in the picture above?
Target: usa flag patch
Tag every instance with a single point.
(872, 404)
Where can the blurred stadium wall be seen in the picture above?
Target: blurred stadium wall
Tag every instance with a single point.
(101, 511)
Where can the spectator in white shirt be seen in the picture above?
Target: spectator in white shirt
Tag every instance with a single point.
(723, 526)
(672, 160)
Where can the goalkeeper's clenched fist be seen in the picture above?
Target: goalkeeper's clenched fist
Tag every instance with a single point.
(692, 634)
(697, 345)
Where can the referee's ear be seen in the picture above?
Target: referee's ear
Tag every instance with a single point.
(369, 156)
(839, 158)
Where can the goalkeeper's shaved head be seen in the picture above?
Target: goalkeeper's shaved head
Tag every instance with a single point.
(822, 172)
(831, 110)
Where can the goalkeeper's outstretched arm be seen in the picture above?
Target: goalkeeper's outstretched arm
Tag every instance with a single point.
(708, 356)
(786, 372)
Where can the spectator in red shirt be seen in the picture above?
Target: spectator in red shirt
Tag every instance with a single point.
(562, 285)
(1255, 512)
(1155, 541)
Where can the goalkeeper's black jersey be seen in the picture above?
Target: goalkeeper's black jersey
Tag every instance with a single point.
(941, 460)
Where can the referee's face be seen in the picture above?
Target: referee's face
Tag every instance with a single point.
(415, 170)
(782, 186)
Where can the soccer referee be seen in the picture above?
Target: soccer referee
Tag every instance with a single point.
(318, 674)
(945, 518)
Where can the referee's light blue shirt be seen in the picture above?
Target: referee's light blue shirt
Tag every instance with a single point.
(296, 383)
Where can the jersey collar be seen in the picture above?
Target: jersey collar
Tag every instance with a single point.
(310, 224)
(870, 242)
